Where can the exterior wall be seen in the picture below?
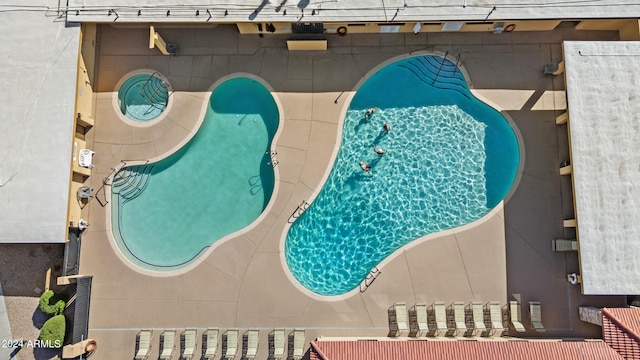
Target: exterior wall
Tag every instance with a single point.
(86, 69)
(436, 26)
(84, 115)
(630, 31)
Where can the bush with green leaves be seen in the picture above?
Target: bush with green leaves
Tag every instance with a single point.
(51, 304)
(53, 330)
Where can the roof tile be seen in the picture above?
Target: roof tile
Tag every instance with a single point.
(454, 350)
(621, 330)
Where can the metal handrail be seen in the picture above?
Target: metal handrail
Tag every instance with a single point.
(162, 83)
(441, 65)
(147, 82)
(371, 277)
(298, 211)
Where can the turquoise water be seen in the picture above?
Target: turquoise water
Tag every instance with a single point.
(166, 213)
(143, 97)
(450, 159)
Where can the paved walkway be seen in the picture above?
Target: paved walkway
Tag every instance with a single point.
(242, 283)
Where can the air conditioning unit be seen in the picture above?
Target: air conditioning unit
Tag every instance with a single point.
(172, 49)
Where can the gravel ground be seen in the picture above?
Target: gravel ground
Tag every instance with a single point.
(23, 270)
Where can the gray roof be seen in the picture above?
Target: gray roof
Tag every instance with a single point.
(38, 71)
(345, 10)
(604, 123)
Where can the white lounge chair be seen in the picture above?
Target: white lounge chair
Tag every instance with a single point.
(400, 313)
(298, 344)
(516, 316)
(495, 313)
(167, 344)
(278, 343)
(421, 326)
(536, 316)
(85, 158)
(143, 344)
(252, 344)
(478, 318)
(231, 347)
(211, 343)
(441, 318)
(189, 344)
(459, 318)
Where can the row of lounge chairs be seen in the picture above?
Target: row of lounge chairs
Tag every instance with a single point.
(475, 319)
(535, 316)
(210, 344)
(167, 344)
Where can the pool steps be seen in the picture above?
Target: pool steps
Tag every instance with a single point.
(438, 72)
(151, 92)
(130, 182)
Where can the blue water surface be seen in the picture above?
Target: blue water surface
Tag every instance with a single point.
(449, 160)
(165, 214)
(143, 97)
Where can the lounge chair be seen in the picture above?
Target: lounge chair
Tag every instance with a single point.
(167, 344)
(298, 344)
(231, 347)
(189, 344)
(495, 313)
(515, 313)
(564, 245)
(278, 343)
(478, 319)
(536, 316)
(252, 344)
(459, 318)
(400, 314)
(143, 344)
(441, 318)
(210, 342)
(419, 320)
(85, 158)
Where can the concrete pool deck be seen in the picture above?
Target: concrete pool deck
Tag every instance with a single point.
(242, 284)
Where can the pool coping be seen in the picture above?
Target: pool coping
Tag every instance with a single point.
(495, 211)
(142, 124)
(204, 253)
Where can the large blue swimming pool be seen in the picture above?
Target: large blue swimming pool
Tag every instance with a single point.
(449, 160)
(165, 214)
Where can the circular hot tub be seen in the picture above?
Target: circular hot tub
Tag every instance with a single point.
(143, 97)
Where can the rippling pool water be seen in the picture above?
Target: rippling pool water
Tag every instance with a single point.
(443, 168)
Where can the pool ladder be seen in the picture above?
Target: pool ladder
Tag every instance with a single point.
(274, 162)
(161, 84)
(298, 211)
(371, 277)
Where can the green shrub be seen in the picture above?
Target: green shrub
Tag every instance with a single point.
(52, 332)
(51, 304)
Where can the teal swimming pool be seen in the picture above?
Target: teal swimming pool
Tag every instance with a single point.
(165, 214)
(143, 97)
(449, 160)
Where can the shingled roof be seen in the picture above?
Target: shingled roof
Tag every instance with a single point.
(454, 350)
(621, 330)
